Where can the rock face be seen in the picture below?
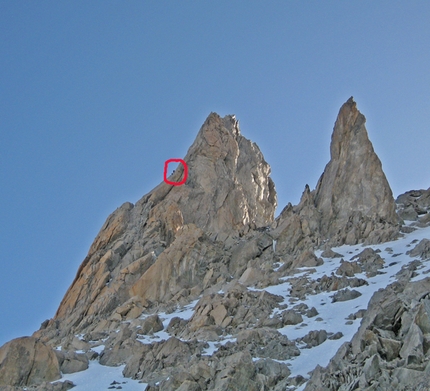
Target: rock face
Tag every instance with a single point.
(352, 202)
(162, 249)
(26, 361)
(229, 180)
(353, 185)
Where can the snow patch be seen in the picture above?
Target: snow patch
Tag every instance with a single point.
(100, 377)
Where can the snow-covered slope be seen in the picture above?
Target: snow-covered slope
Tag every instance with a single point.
(333, 317)
(100, 377)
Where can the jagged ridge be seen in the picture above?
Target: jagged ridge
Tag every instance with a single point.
(210, 239)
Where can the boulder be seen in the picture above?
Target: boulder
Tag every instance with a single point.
(152, 324)
(27, 361)
(245, 251)
(337, 335)
(291, 317)
(421, 250)
(348, 269)
(369, 261)
(409, 213)
(189, 385)
(414, 203)
(266, 342)
(121, 346)
(307, 259)
(424, 221)
(158, 361)
(407, 377)
(390, 348)
(71, 362)
(201, 371)
(314, 338)
(345, 295)
(236, 372)
(329, 253)
(45, 386)
(312, 312)
(333, 283)
(273, 370)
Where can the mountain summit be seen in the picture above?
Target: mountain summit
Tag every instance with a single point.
(150, 252)
(353, 194)
(352, 202)
(229, 185)
(197, 287)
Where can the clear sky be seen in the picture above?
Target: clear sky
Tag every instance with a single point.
(96, 95)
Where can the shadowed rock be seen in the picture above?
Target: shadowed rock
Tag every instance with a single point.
(414, 203)
(26, 361)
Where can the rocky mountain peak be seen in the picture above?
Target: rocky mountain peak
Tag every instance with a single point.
(150, 253)
(349, 123)
(217, 138)
(352, 202)
(353, 186)
(229, 184)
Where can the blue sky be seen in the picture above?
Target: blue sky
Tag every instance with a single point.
(95, 96)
